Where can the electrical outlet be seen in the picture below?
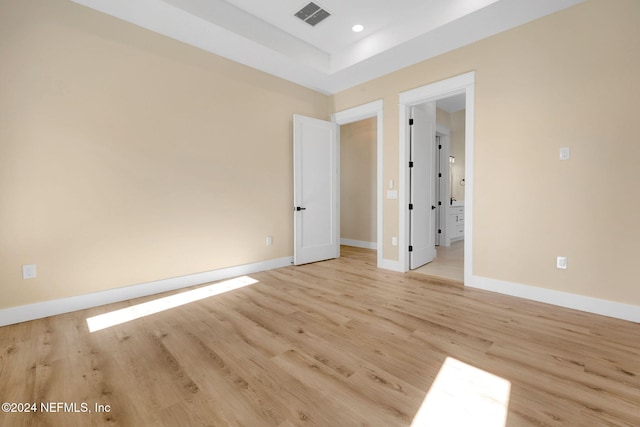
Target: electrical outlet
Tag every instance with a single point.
(29, 271)
(562, 262)
(269, 240)
(565, 153)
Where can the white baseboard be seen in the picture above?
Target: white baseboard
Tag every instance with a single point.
(389, 264)
(359, 244)
(28, 312)
(563, 299)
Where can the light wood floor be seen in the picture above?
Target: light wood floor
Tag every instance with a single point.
(337, 343)
(448, 264)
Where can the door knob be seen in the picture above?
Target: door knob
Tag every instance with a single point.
(432, 207)
(298, 208)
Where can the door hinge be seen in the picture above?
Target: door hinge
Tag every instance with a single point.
(410, 206)
(440, 175)
(410, 122)
(410, 164)
(439, 203)
(410, 248)
(439, 146)
(439, 231)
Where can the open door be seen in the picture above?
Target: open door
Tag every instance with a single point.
(315, 189)
(422, 204)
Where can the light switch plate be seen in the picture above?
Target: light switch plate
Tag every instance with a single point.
(29, 271)
(565, 153)
(561, 262)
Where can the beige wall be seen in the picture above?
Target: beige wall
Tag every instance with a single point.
(455, 122)
(539, 87)
(443, 118)
(127, 157)
(358, 180)
(457, 150)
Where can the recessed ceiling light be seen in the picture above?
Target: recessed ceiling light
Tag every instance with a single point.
(357, 28)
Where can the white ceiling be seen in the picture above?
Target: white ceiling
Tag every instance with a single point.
(328, 57)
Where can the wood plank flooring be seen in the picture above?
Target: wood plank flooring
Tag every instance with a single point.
(336, 343)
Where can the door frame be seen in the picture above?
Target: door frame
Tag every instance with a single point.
(464, 83)
(355, 114)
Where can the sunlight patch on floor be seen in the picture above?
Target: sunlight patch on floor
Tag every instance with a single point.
(137, 311)
(463, 395)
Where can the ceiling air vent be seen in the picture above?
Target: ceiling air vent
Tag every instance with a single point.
(312, 14)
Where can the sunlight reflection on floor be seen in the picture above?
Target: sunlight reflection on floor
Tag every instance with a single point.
(137, 311)
(463, 395)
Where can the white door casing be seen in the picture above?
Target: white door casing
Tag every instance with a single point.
(422, 185)
(463, 83)
(316, 191)
(439, 190)
(361, 112)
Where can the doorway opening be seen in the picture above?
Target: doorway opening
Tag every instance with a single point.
(449, 195)
(449, 190)
(362, 127)
(358, 226)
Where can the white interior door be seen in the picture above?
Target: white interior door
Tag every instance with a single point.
(422, 205)
(439, 192)
(315, 188)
